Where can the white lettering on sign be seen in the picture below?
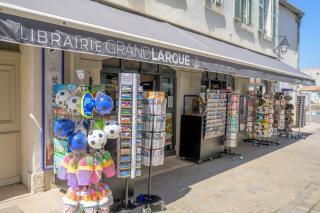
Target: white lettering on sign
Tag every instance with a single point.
(114, 47)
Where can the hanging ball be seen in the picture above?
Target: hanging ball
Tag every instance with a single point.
(63, 127)
(62, 97)
(78, 142)
(112, 129)
(103, 103)
(97, 139)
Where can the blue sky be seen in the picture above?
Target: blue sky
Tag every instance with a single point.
(310, 32)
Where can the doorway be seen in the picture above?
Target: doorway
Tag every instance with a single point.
(9, 118)
(153, 77)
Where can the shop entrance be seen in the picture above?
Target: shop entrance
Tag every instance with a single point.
(9, 118)
(153, 77)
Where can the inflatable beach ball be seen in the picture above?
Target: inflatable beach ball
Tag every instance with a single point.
(97, 139)
(112, 129)
(62, 97)
(63, 127)
(103, 103)
(73, 105)
(78, 142)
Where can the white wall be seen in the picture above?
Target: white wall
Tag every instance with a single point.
(288, 26)
(188, 83)
(193, 14)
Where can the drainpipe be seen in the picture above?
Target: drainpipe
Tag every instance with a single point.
(299, 17)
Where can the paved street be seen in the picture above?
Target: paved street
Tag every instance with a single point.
(268, 179)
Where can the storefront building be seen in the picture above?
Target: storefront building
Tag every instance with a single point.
(44, 44)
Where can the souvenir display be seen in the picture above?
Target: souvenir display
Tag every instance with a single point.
(279, 108)
(300, 111)
(232, 120)
(264, 124)
(154, 124)
(80, 139)
(130, 119)
(288, 115)
(215, 108)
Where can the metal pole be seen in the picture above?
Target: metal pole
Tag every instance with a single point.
(126, 201)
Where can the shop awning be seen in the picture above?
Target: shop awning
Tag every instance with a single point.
(90, 27)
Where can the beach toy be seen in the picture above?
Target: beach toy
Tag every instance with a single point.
(73, 105)
(89, 206)
(73, 193)
(112, 129)
(103, 103)
(63, 127)
(87, 105)
(98, 124)
(78, 142)
(108, 165)
(63, 169)
(70, 206)
(97, 139)
(85, 169)
(72, 170)
(82, 126)
(62, 97)
(97, 170)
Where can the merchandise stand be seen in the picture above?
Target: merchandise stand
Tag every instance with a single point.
(231, 127)
(259, 140)
(151, 202)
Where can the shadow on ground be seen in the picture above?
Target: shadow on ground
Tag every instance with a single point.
(12, 191)
(175, 184)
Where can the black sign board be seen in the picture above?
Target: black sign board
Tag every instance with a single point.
(33, 32)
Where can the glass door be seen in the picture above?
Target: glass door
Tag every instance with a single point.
(167, 84)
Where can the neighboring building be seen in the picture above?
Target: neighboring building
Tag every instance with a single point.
(313, 90)
(216, 40)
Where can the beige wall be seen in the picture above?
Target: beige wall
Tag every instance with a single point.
(31, 147)
(195, 15)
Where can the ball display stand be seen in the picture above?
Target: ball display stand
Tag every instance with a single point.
(153, 154)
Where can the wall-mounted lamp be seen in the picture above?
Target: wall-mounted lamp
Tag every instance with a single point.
(282, 48)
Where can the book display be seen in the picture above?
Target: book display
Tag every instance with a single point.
(130, 118)
(232, 120)
(233, 126)
(154, 123)
(215, 110)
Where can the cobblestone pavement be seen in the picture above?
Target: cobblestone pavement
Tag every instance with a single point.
(269, 179)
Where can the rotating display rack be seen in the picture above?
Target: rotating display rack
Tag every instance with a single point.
(154, 113)
(232, 127)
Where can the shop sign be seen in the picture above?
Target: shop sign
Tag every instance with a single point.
(33, 32)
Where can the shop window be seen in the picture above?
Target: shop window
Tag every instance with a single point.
(110, 80)
(131, 65)
(112, 63)
(149, 67)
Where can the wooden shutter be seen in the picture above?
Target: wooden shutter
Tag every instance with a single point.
(237, 10)
(250, 12)
(274, 18)
(261, 15)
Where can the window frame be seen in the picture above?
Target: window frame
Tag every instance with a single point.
(244, 11)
